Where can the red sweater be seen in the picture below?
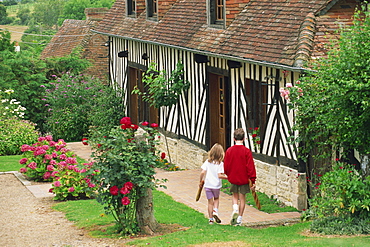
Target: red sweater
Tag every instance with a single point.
(239, 165)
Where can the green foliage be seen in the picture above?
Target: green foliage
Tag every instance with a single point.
(341, 192)
(14, 133)
(72, 182)
(47, 12)
(72, 63)
(341, 199)
(4, 19)
(76, 103)
(126, 163)
(35, 38)
(74, 9)
(341, 225)
(333, 100)
(5, 41)
(24, 15)
(161, 90)
(24, 72)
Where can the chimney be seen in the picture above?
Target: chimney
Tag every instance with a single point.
(95, 14)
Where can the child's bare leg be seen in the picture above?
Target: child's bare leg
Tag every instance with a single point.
(210, 208)
(216, 202)
(242, 204)
(235, 198)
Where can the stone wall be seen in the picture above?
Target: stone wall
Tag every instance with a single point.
(282, 183)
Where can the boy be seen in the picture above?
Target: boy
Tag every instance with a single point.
(239, 168)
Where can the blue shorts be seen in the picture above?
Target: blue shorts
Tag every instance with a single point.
(212, 193)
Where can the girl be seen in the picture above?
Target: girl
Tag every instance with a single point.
(211, 175)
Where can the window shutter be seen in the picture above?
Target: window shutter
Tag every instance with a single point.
(149, 8)
(212, 11)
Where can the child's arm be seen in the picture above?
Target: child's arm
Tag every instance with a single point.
(222, 176)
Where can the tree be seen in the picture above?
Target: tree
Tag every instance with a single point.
(24, 15)
(75, 9)
(333, 100)
(47, 12)
(5, 41)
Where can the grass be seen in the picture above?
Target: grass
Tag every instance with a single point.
(89, 215)
(269, 205)
(10, 163)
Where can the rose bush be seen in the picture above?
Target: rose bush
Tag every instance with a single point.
(341, 197)
(126, 160)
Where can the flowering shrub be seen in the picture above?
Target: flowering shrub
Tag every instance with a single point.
(42, 158)
(126, 161)
(73, 182)
(10, 107)
(75, 103)
(256, 138)
(340, 194)
(13, 133)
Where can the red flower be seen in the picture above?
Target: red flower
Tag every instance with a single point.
(254, 135)
(128, 185)
(125, 200)
(134, 126)
(124, 190)
(145, 123)
(163, 155)
(123, 126)
(318, 184)
(125, 120)
(113, 190)
(256, 128)
(258, 142)
(341, 167)
(154, 125)
(350, 171)
(84, 141)
(99, 145)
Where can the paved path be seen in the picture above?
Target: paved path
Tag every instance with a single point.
(183, 186)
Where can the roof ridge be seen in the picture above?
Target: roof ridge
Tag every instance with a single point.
(305, 40)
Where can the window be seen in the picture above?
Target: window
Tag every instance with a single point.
(151, 8)
(131, 7)
(217, 12)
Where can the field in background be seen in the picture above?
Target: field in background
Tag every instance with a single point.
(15, 31)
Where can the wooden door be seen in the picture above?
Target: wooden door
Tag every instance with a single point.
(218, 114)
(139, 110)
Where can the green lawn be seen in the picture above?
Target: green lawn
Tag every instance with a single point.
(89, 215)
(10, 163)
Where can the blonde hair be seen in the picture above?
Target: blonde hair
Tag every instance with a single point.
(216, 154)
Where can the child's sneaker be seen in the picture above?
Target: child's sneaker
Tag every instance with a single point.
(210, 222)
(238, 221)
(234, 217)
(215, 216)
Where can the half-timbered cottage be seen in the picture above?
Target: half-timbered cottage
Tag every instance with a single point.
(237, 54)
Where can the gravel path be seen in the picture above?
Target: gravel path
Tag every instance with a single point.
(29, 221)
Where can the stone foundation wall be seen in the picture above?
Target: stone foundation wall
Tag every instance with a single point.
(282, 183)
